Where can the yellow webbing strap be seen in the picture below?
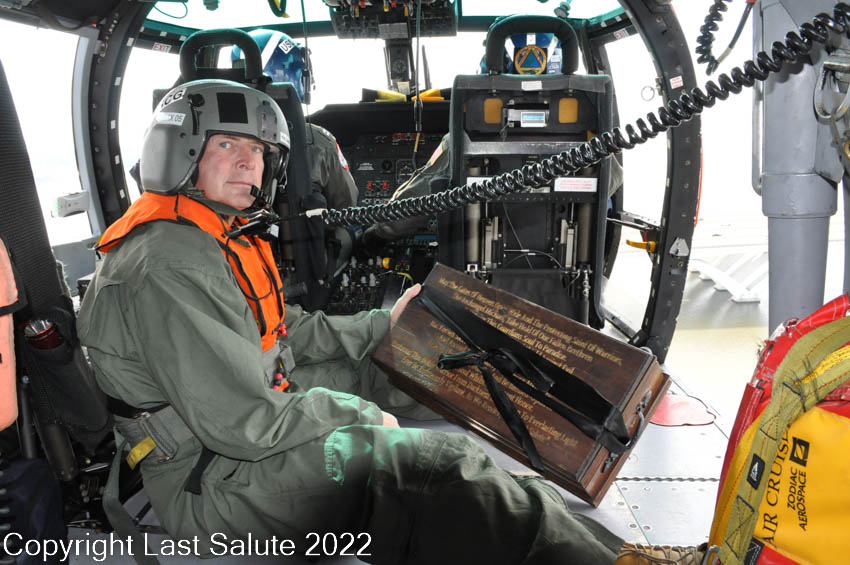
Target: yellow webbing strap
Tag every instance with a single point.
(812, 368)
(140, 451)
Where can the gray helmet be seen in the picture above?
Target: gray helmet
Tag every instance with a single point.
(190, 114)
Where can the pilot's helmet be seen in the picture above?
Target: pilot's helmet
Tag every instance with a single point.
(533, 54)
(190, 114)
(282, 58)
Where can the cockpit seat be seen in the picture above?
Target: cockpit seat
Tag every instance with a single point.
(500, 122)
(300, 242)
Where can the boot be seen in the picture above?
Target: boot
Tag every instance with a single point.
(640, 554)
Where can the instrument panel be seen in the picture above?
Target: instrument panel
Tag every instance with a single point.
(380, 163)
(383, 150)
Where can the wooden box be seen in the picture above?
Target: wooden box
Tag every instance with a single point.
(626, 376)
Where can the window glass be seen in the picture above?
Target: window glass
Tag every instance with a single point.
(578, 8)
(195, 15)
(40, 81)
(146, 70)
(337, 80)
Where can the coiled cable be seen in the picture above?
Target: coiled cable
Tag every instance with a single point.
(706, 38)
(706, 34)
(676, 111)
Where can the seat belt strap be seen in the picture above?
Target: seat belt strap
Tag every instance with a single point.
(157, 431)
(193, 482)
(796, 388)
(118, 516)
(140, 451)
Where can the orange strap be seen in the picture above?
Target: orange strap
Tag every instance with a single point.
(8, 295)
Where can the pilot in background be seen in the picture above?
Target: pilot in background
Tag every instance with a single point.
(185, 322)
(284, 61)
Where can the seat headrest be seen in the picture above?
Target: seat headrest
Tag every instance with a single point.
(203, 39)
(502, 29)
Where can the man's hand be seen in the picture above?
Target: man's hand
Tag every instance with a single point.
(401, 303)
(390, 421)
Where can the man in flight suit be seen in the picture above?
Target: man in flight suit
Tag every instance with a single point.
(185, 325)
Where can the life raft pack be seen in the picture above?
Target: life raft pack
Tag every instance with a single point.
(783, 496)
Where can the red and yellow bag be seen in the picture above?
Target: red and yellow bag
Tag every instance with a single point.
(784, 496)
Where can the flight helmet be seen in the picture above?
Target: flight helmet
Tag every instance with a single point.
(189, 115)
(283, 59)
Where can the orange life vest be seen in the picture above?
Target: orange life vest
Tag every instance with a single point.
(250, 258)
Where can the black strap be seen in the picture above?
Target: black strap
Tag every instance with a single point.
(19, 287)
(193, 483)
(21, 219)
(552, 386)
(13, 307)
(120, 408)
(500, 398)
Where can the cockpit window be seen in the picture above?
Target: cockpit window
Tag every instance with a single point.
(42, 107)
(146, 70)
(195, 15)
(578, 8)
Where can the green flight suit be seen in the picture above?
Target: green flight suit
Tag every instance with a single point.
(329, 172)
(331, 177)
(164, 321)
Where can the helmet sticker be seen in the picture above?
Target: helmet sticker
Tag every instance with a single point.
(530, 60)
(286, 45)
(170, 118)
(342, 160)
(172, 96)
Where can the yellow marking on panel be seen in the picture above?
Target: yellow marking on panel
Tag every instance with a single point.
(493, 111)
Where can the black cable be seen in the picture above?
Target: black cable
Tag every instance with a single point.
(516, 236)
(418, 117)
(706, 38)
(417, 104)
(741, 23)
(531, 253)
(688, 105)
